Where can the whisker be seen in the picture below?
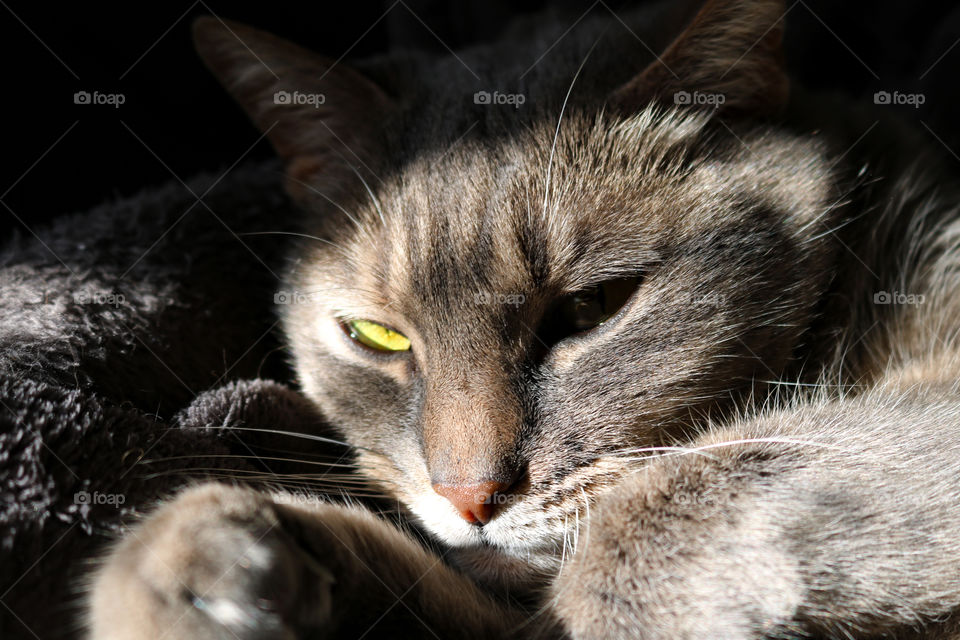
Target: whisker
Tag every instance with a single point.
(305, 436)
(336, 246)
(808, 443)
(717, 445)
(576, 530)
(376, 202)
(556, 135)
(352, 218)
(657, 451)
(245, 457)
(279, 484)
(563, 552)
(336, 479)
(586, 509)
(815, 385)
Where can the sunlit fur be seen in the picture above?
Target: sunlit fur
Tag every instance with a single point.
(705, 221)
(752, 446)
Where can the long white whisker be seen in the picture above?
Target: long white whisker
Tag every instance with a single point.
(563, 552)
(807, 443)
(353, 219)
(556, 134)
(586, 508)
(305, 436)
(247, 457)
(576, 530)
(717, 445)
(339, 249)
(376, 203)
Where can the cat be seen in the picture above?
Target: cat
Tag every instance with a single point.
(649, 345)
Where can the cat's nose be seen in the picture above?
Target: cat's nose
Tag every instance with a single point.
(475, 502)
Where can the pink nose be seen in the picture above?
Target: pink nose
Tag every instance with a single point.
(473, 501)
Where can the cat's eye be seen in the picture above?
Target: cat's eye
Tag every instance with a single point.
(376, 336)
(584, 310)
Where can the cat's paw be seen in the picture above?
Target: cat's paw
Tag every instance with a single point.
(682, 552)
(217, 562)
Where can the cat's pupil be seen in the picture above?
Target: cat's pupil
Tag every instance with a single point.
(584, 310)
(587, 309)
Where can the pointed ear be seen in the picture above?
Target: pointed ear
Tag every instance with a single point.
(728, 57)
(320, 116)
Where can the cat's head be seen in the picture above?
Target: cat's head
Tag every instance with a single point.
(497, 325)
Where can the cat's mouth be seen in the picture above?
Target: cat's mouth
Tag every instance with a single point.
(517, 533)
(540, 525)
(442, 519)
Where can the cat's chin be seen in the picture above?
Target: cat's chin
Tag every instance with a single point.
(500, 570)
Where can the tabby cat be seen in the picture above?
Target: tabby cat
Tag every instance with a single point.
(646, 346)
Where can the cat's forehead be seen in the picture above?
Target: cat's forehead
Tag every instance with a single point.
(562, 209)
(537, 204)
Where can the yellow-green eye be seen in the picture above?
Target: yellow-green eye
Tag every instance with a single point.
(376, 336)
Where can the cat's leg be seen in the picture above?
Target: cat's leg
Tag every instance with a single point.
(224, 562)
(838, 519)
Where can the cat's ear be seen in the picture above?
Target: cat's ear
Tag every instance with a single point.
(320, 115)
(728, 57)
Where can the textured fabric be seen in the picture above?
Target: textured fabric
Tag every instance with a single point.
(130, 336)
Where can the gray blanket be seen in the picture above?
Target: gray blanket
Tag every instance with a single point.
(136, 344)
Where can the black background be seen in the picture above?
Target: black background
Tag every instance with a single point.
(180, 114)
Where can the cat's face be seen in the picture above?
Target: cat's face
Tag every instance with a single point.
(476, 268)
(558, 297)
